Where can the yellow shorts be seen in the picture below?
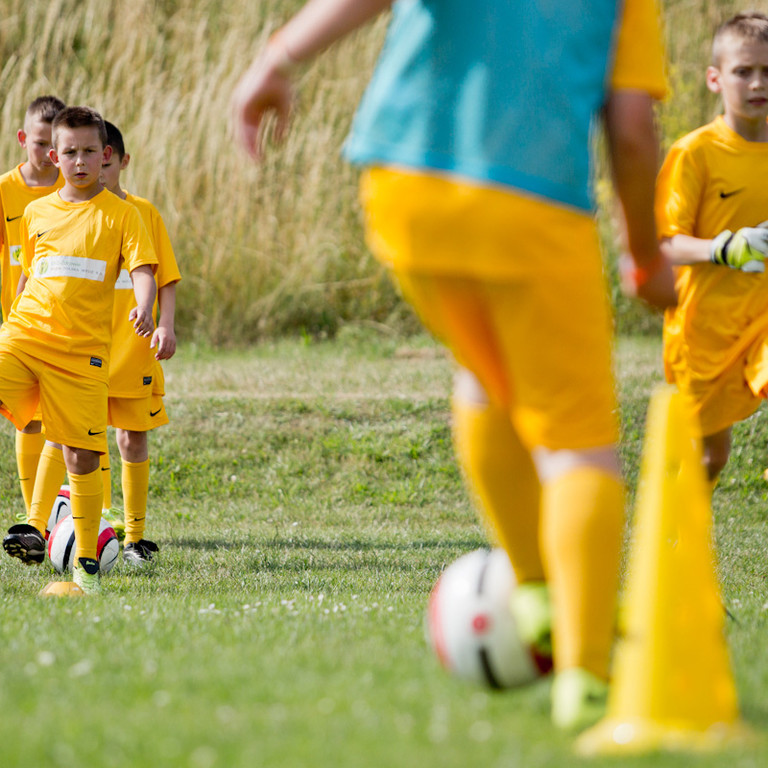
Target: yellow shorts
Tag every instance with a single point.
(137, 414)
(73, 408)
(538, 336)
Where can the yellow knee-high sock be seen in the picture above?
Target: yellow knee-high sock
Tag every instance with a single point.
(86, 494)
(28, 449)
(582, 526)
(51, 473)
(135, 490)
(500, 472)
(106, 476)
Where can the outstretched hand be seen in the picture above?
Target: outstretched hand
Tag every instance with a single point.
(264, 90)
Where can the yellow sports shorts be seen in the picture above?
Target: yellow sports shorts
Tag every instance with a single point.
(73, 408)
(537, 334)
(137, 414)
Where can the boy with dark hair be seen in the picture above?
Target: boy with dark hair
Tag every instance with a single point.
(54, 346)
(712, 203)
(136, 384)
(36, 177)
(476, 134)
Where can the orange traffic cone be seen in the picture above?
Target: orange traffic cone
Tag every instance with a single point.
(672, 682)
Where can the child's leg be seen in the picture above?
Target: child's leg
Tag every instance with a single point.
(716, 449)
(106, 477)
(499, 470)
(134, 450)
(29, 444)
(582, 527)
(51, 474)
(86, 494)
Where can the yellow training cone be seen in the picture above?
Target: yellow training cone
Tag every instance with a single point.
(672, 683)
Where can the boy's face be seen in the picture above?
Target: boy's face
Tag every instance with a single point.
(742, 80)
(110, 171)
(79, 154)
(35, 137)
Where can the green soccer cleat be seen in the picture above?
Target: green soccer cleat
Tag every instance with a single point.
(87, 576)
(532, 611)
(579, 699)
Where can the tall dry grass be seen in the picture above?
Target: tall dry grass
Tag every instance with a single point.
(265, 249)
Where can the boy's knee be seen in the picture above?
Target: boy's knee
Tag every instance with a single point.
(468, 389)
(551, 464)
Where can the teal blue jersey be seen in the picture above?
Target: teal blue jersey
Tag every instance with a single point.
(498, 91)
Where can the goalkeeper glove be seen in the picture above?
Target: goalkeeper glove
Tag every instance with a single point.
(744, 249)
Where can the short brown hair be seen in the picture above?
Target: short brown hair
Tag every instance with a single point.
(44, 108)
(743, 26)
(79, 117)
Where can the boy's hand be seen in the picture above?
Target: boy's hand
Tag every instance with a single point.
(265, 88)
(655, 284)
(141, 317)
(744, 249)
(165, 341)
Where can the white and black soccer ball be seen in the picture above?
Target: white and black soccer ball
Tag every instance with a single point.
(61, 508)
(470, 624)
(61, 546)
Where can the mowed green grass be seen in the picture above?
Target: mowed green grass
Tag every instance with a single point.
(305, 498)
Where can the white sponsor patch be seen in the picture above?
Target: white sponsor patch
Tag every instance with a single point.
(123, 282)
(70, 266)
(14, 260)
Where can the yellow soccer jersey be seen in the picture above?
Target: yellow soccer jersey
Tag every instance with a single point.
(71, 254)
(15, 195)
(711, 180)
(133, 368)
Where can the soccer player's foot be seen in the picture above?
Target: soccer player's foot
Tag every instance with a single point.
(25, 542)
(86, 575)
(532, 611)
(139, 553)
(579, 699)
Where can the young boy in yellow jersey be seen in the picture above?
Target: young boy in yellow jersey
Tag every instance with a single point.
(475, 131)
(54, 346)
(36, 177)
(712, 200)
(136, 385)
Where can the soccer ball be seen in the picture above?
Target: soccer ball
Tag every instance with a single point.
(61, 546)
(471, 627)
(61, 508)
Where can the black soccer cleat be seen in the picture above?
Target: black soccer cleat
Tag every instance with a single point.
(139, 553)
(25, 542)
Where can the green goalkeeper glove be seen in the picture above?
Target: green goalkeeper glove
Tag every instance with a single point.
(744, 249)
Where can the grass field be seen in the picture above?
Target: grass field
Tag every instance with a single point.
(305, 499)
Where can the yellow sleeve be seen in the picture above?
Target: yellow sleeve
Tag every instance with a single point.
(679, 188)
(168, 269)
(137, 249)
(640, 60)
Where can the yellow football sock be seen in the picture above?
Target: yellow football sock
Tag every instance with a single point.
(582, 527)
(28, 449)
(500, 472)
(106, 476)
(135, 491)
(86, 494)
(51, 473)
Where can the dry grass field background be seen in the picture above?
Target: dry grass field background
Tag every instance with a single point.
(264, 250)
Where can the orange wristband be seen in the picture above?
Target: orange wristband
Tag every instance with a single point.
(641, 275)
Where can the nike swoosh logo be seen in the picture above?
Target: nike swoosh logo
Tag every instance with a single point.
(154, 413)
(723, 195)
(13, 218)
(40, 234)
(92, 433)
